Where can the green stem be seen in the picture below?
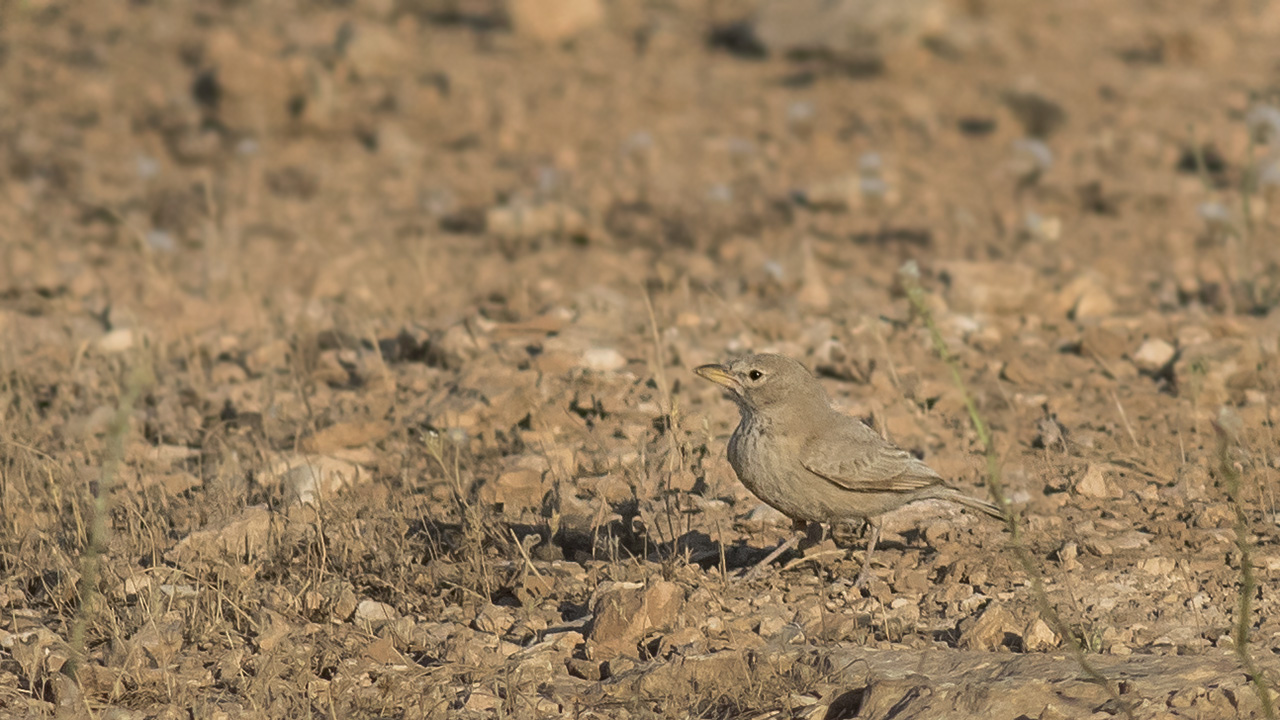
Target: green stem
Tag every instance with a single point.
(1248, 583)
(910, 277)
(91, 562)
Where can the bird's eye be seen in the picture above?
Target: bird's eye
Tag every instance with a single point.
(755, 374)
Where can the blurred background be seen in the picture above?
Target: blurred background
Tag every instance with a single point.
(370, 324)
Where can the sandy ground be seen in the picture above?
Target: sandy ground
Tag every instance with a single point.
(372, 324)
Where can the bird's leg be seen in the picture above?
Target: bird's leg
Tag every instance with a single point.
(798, 532)
(815, 533)
(866, 558)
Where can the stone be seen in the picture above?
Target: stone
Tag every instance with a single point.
(1038, 636)
(346, 435)
(1154, 356)
(116, 341)
(309, 477)
(1083, 298)
(763, 515)
(493, 619)
(554, 21)
(813, 294)
(603, 360)
(254, 89)
(374, 612)
(625, 612)
(994, 287)
(374, 50)
(245, 534)
(1095, 484)
(995, 628)
(850, 30)
(514, 489)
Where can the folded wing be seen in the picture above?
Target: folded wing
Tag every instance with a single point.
(852, 456)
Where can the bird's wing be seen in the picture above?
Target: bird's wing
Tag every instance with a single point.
(854, 457)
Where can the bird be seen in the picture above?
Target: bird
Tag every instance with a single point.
(811, 462)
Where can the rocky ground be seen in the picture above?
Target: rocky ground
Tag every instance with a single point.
(371, 325)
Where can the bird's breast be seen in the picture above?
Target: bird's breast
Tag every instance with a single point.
(768, 470)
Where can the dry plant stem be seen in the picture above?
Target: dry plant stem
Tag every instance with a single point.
(91, 561)
(909, 275)
(1248, 583)
(675, 458)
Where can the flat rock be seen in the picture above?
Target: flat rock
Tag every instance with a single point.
(310, 477)
(995, 287)
(372, 611)
(1094, 483)
(918, 684)
(1154, 356)
(375, 51)
(603, 360)
(553, 21)
(247, 533)
(514, 489)
(995, 628)
(346, 435)
(1038, 636)
(850, 29)
(1084, 298)
(625, 612)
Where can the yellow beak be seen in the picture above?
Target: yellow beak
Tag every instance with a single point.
(719, 375)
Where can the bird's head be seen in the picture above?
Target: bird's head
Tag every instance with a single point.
(767, 383)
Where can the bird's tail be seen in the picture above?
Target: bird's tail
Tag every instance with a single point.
(974, 503)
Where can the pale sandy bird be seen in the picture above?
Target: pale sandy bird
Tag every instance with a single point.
(813, 463)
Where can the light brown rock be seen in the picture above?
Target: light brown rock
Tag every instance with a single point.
(553, 21)
(848, 29)
(346, 435)
(1039, 636)
(255, 86)
(1154, 356)
(1084, 298)
(518, 488)
(374, 612)
(996, 627)
(247, 533)
(375, 51)
(307, 478)
(994, 287)
(1095, 484)
(625, 612)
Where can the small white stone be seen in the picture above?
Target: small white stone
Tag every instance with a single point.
(1153, 356)
(116, 341)
(603, 360)
(374, 611)
(763, 513)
